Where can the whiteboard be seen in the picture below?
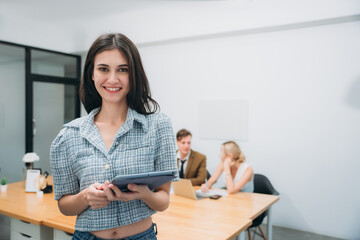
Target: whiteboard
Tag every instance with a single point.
(224, 119)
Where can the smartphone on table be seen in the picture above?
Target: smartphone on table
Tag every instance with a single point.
(216, 196)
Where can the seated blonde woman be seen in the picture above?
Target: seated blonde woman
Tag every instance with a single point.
(239, 176)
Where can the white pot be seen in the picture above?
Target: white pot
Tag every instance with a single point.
(3, 188)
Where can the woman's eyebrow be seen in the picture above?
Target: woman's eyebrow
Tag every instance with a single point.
(105, 65)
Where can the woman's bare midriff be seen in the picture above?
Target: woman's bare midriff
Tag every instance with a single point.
(125, 231)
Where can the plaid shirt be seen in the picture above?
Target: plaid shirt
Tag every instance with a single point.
(79, 158)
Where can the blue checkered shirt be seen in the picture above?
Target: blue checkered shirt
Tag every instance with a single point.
(79, 158)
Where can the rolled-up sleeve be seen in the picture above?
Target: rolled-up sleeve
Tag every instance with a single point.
(165, 151)
(65, 181)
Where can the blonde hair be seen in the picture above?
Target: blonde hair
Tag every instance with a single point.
(231, 147)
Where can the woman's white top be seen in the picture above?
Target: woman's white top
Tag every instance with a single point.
(249, 186)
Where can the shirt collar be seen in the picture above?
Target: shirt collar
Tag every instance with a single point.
(179, 155)
(132, 116)
(87, 129)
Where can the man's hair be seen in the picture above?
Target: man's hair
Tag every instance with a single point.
(182, 133)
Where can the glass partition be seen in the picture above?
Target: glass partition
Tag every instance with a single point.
(12, 111)
(55, 83)
(53, 64)
(39, 93)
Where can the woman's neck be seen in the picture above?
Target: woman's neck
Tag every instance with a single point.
(113, 114)
(235, 165)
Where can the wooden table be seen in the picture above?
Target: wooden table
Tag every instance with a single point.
(221, 219)
(203, 219)
(224, 218)
(28, 207)
(196, 219)
(62, 222)
(250, 206)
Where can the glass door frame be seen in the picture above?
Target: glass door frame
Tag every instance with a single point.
(30, 78)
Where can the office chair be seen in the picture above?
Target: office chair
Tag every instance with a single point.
(264, 186)
(207, 175)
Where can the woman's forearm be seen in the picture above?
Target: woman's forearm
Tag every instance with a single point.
(211, 181)
(160, 200)
(71, 205)
(216, 175)
(229, 183)
(237, 186)
(228, 179)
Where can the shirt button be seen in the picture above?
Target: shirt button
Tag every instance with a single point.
(107, 166)
(116, 143)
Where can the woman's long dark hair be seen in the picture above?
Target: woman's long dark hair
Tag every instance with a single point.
(139, 96)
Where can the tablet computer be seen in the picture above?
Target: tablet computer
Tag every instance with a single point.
(151, 179)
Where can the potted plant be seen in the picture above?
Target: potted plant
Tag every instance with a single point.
(3, 186)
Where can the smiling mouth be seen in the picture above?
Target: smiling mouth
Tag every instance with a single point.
(109, 89)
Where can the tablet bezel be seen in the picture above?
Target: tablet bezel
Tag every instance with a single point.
(151, 179)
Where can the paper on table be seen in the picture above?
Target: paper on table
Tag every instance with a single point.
(212, 192)
(32, 180)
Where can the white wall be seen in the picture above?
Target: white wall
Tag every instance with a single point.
(303, 85)
(303, 88)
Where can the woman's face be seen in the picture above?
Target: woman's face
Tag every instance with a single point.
(111, 76)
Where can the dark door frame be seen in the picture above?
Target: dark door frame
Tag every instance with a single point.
(30, 78)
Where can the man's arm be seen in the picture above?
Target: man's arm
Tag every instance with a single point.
(201, 173)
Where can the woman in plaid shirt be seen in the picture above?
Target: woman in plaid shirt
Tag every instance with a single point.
(121, 135)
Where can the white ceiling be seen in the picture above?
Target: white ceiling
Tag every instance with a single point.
(57, 10)
(81, 9)
(72, 25)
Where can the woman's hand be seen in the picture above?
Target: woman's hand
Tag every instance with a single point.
(96, 197)
(113, 193)
(158, 200)
(227, 162)
(204, 187)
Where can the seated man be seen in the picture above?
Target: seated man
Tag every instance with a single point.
(191, 164)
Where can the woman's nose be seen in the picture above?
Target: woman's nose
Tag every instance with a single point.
(113, 77)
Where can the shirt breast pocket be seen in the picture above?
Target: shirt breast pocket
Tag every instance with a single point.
(139, 157)
(85, 163)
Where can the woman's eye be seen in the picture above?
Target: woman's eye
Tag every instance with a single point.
(123, 70)
(102, 69)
